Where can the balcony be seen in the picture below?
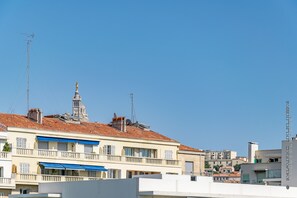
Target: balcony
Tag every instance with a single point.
(5, 155)
(38, 178)
(7, 183)
(93, 157)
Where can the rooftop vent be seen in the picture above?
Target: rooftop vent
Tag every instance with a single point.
(119, 123)
(35, 115)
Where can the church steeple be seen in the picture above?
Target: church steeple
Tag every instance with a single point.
(79, 111)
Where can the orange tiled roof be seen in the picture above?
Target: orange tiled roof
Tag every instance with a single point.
(54, 124)
(187, 148)
(234, 174)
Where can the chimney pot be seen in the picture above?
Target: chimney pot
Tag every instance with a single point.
(119, 123)
(35, 115)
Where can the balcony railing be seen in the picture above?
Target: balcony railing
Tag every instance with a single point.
(37, 178)
(7, 182)
(5, 155)
(54, 154)
(24, 151)
(134, 159)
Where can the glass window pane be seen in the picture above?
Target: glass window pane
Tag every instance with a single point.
(88, 148)
(62, 146)
(43, 145)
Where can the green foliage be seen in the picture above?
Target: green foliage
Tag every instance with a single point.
(217, 167)
(237, 167)
(206, 165)
(6, 147)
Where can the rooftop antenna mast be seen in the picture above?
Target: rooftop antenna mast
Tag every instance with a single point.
(29, 39)
(133, 115)
(289, 141)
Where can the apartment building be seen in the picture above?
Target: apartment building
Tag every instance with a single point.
(215, 155)
(70, 148)
(264, 167)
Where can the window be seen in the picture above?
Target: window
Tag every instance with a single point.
(91, 173)
(24, 168)
(144, 153)
(88, 148)
(62, 146)
(245, 178)
(260, 176)
(21, 142)
(274, 173)
(2, 194)
(273, 159)
(109, 150)
(128, 151)
(258, 160)
(43, 145)
(1, 172)
(168, 154)
(189, 168)
(140, 152)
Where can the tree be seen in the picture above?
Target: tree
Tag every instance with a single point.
(206, 165)
(237, 167)
(6, 147)
(217, 167)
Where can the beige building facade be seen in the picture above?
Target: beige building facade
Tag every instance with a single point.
(65, 147)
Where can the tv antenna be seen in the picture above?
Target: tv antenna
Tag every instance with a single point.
(29, 39)
(133, 115)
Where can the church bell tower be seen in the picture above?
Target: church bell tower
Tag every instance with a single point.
(79, 111)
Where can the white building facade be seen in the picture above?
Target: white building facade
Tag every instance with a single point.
(158, 186)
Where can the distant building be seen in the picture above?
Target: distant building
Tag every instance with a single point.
(215, 155)
(225, 158)
(264, 167)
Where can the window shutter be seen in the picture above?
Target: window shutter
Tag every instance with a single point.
(112, 150)
(105, 149)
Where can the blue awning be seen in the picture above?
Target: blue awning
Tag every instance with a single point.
(94, 168)
(73, 167)
(52, 165)
(55, 139)
(62, 166)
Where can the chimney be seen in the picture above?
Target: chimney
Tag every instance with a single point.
(35, 115)
(119, 123)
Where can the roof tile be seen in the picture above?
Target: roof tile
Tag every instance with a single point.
(54, 124)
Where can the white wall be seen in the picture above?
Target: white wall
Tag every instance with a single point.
(93, 189)
(211, 189)
(6, 164)
(169, 186)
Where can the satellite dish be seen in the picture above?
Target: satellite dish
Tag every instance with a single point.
(128, 122)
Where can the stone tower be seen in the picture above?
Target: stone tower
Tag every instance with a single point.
(79, 111)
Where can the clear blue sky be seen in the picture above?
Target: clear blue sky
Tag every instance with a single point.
(210, 74)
